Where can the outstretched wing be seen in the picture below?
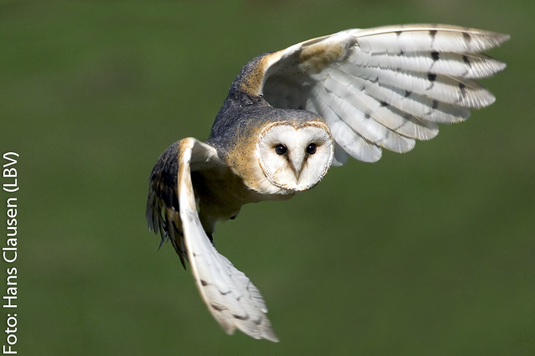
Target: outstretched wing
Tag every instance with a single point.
(171, 209)
(383, 87)
(162, 210)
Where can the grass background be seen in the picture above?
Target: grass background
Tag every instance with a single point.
(428, 253)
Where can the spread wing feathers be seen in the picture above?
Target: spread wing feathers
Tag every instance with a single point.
(229, 295)
(384, 87)
(162, 202)
(162, 210)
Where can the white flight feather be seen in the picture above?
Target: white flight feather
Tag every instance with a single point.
(452, 64)
(352, 142)
(229, 295)
(355, 91)
(441, 88)
(356, 119)
(417, 38)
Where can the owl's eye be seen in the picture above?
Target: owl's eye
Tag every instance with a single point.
(311, 149)
(280, 149)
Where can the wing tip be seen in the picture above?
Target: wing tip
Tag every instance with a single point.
(259, 332)
(270, 336)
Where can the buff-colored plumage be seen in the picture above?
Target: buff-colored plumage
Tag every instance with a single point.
(292, 114)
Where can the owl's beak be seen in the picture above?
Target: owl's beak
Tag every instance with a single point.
(296, 163)
(297, 173)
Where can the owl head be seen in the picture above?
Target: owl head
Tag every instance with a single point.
(295, 155)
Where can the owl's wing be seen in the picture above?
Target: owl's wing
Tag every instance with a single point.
(162, 202)
(382, 87)
(229, 295)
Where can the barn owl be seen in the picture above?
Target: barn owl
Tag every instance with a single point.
(291, 115)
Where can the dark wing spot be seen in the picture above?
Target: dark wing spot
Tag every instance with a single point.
(466, 61)
(241, 317)
(384, 103)
(218, 307)
(435, 104)
(467, 37)
(462, 87)
(432, 77)
(435, 55)
(407, 93)
(204, 283)
(433, 33)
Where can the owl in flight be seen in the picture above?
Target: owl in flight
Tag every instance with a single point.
(291, 115)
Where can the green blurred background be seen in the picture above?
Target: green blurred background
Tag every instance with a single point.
(428, 253)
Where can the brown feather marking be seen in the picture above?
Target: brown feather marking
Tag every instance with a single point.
(254, 79)
(315, 58)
